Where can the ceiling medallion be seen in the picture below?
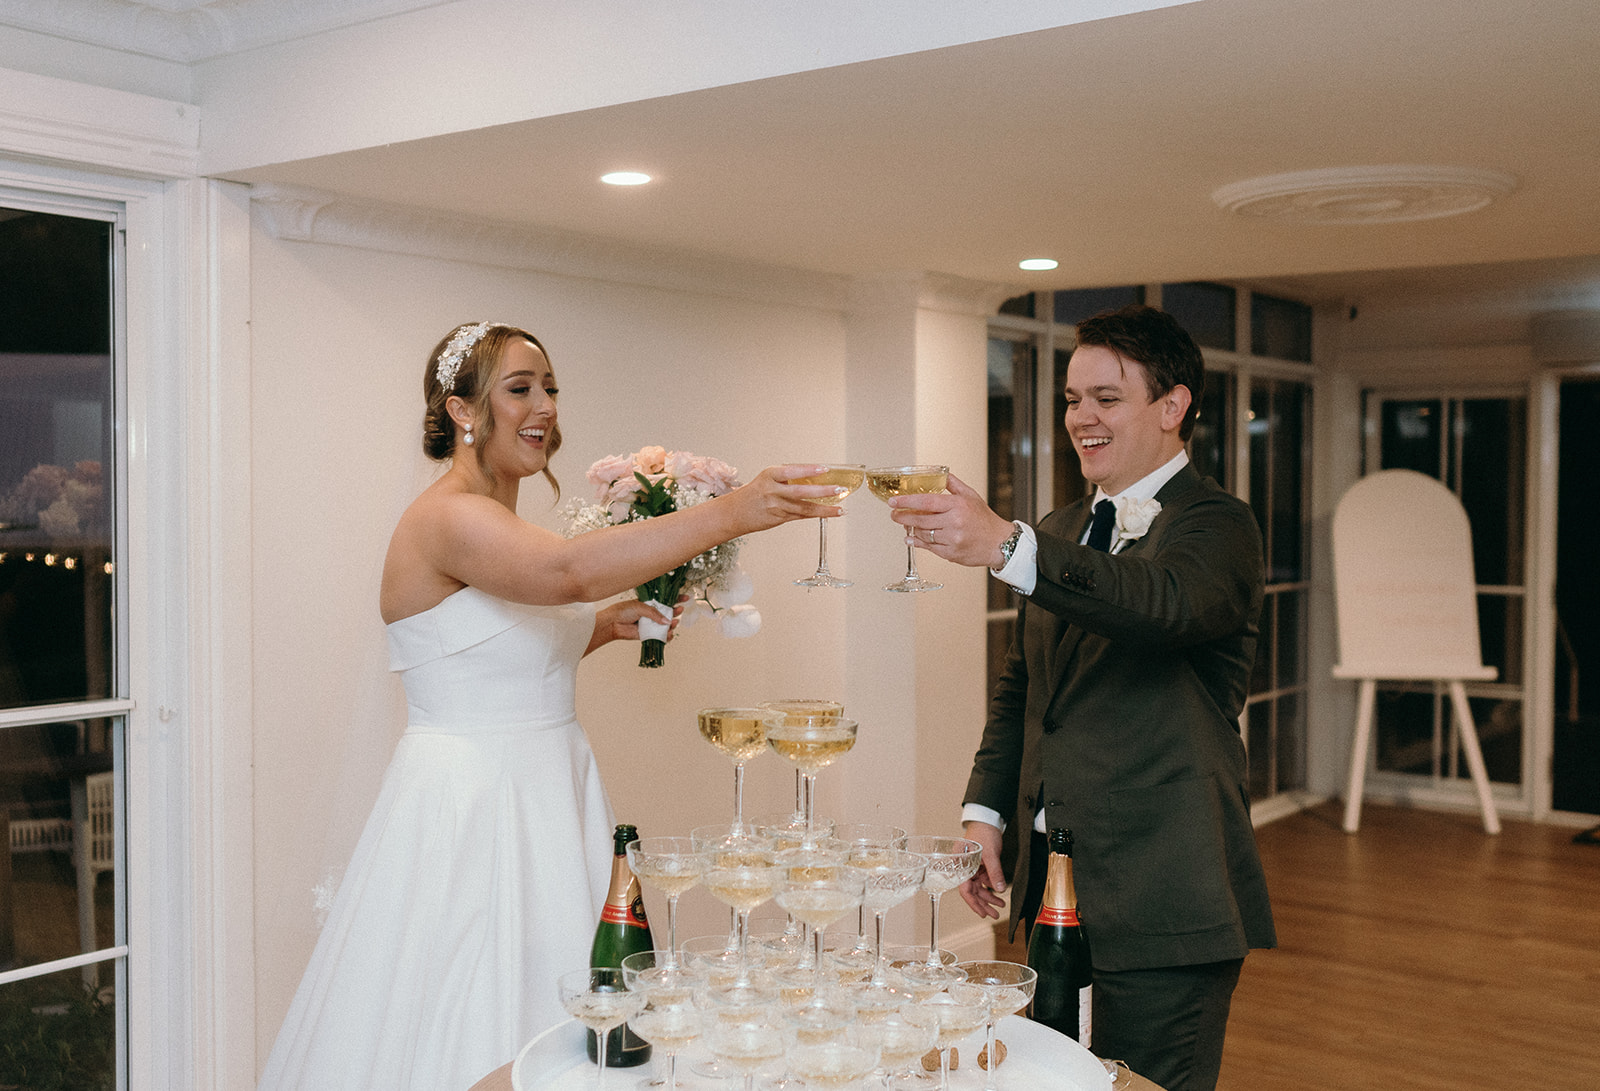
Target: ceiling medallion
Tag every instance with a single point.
(1365, 195)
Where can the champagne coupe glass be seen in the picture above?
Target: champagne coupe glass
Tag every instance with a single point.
(744, 1038)
(889, 877)
(961, 1009)
(1007, 988)
(810, 747)
(669, 1020)
(823, 858)
(743, 879)
(846, 477)
(951, 861)
(809, 1019)
(598, 998)
(671, 865)
(741, 734)
(818, 902)
(805, 710)
(904, 1035)
(867, 841)
(725, 845)
(841, 1062)
(887, 482)
(788, 831)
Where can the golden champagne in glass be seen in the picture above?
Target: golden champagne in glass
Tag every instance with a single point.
(888, 482)
(847, 478)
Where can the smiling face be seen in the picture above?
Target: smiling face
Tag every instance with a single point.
(521, 434)
(1120, 433)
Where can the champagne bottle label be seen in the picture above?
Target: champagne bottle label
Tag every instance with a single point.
(1085, 1015)
(1052, 916)
(628, 913)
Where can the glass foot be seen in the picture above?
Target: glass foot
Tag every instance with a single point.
(918, 584)
(824, 579)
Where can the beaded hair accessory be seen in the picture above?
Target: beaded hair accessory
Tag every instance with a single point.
(456, 349)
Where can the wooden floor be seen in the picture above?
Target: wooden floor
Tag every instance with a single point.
(1421, 955)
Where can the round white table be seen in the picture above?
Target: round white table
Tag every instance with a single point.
(1036, 1057)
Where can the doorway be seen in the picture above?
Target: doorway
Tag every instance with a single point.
(1575, 757)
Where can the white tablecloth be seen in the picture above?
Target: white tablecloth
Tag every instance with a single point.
(1037, 1059)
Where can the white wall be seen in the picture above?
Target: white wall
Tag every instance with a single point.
(339, 339)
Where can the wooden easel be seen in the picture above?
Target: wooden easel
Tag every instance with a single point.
(1407, 608)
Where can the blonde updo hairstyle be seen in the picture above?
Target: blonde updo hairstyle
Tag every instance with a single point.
(474, 382)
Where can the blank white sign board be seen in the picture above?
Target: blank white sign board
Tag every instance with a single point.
(1407, 606)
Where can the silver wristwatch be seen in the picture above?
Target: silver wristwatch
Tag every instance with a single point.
(1009, 546)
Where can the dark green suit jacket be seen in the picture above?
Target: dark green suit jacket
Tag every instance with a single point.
(1117, 712)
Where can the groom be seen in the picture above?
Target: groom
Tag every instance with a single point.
(1116, 715)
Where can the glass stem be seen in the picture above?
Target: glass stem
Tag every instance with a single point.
(672, 931)
(911, 564)
(933, 934)
(811, 809)
(822, 547)
(738, 795)
(672, 1070)
(944, 1069)
(988, 1082)
(600, 1053)
(799, 793)
(879, 977)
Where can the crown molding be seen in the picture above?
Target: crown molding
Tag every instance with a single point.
(43, 117)
(188, 31)
(307, 215)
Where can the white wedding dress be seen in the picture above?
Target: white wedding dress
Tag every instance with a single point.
(480, 874)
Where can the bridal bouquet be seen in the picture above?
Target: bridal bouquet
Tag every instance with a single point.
(654, 481)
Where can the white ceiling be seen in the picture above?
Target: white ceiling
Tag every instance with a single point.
(1098, 144)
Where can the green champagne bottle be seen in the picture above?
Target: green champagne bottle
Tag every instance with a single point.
(1058, 949)
(623, 929)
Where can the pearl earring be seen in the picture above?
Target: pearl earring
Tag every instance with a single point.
(467, 439)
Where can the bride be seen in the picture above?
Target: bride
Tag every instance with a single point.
(483, 866)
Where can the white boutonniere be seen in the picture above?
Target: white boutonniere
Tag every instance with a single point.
(1134, 517)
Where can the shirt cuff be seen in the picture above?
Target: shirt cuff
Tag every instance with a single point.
(977, 812)
(1022, 570)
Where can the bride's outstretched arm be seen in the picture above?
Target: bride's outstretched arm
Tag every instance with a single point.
(481, 543)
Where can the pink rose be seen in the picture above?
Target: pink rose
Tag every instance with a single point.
(712, 475)
(607, 470)
(679, 464)
(651, 460)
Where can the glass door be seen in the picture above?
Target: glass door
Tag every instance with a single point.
(1477, 445)
(1575, 764)
(63, 682)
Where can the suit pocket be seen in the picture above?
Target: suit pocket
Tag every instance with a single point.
(1169, 858)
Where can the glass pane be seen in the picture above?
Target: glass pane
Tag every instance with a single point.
(1500, 635)
(1010, 485)
(1410, 435)
(56, 418)
(1403, 725)
(1205, 310)
(1208, 445)
(1290, 771)
(1280, 481)
(1493, 475)
(1074, 306)
(1069, 483)
(1499, 725)
(1290, 634)
(1575, 780)
(60, 1031)
(1019, 305)
(1259, 724)
(58, 814)
(1280, 328)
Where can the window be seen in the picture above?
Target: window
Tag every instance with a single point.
(63, 685)
(1271, 469)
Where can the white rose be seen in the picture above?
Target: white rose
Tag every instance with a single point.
(739, 621)
(735, 589)
(1134, 517)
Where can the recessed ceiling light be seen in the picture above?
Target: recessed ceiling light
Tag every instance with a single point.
(624, 178)
(1037, 264)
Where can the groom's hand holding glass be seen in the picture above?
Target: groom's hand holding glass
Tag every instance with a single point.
(956, 525)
